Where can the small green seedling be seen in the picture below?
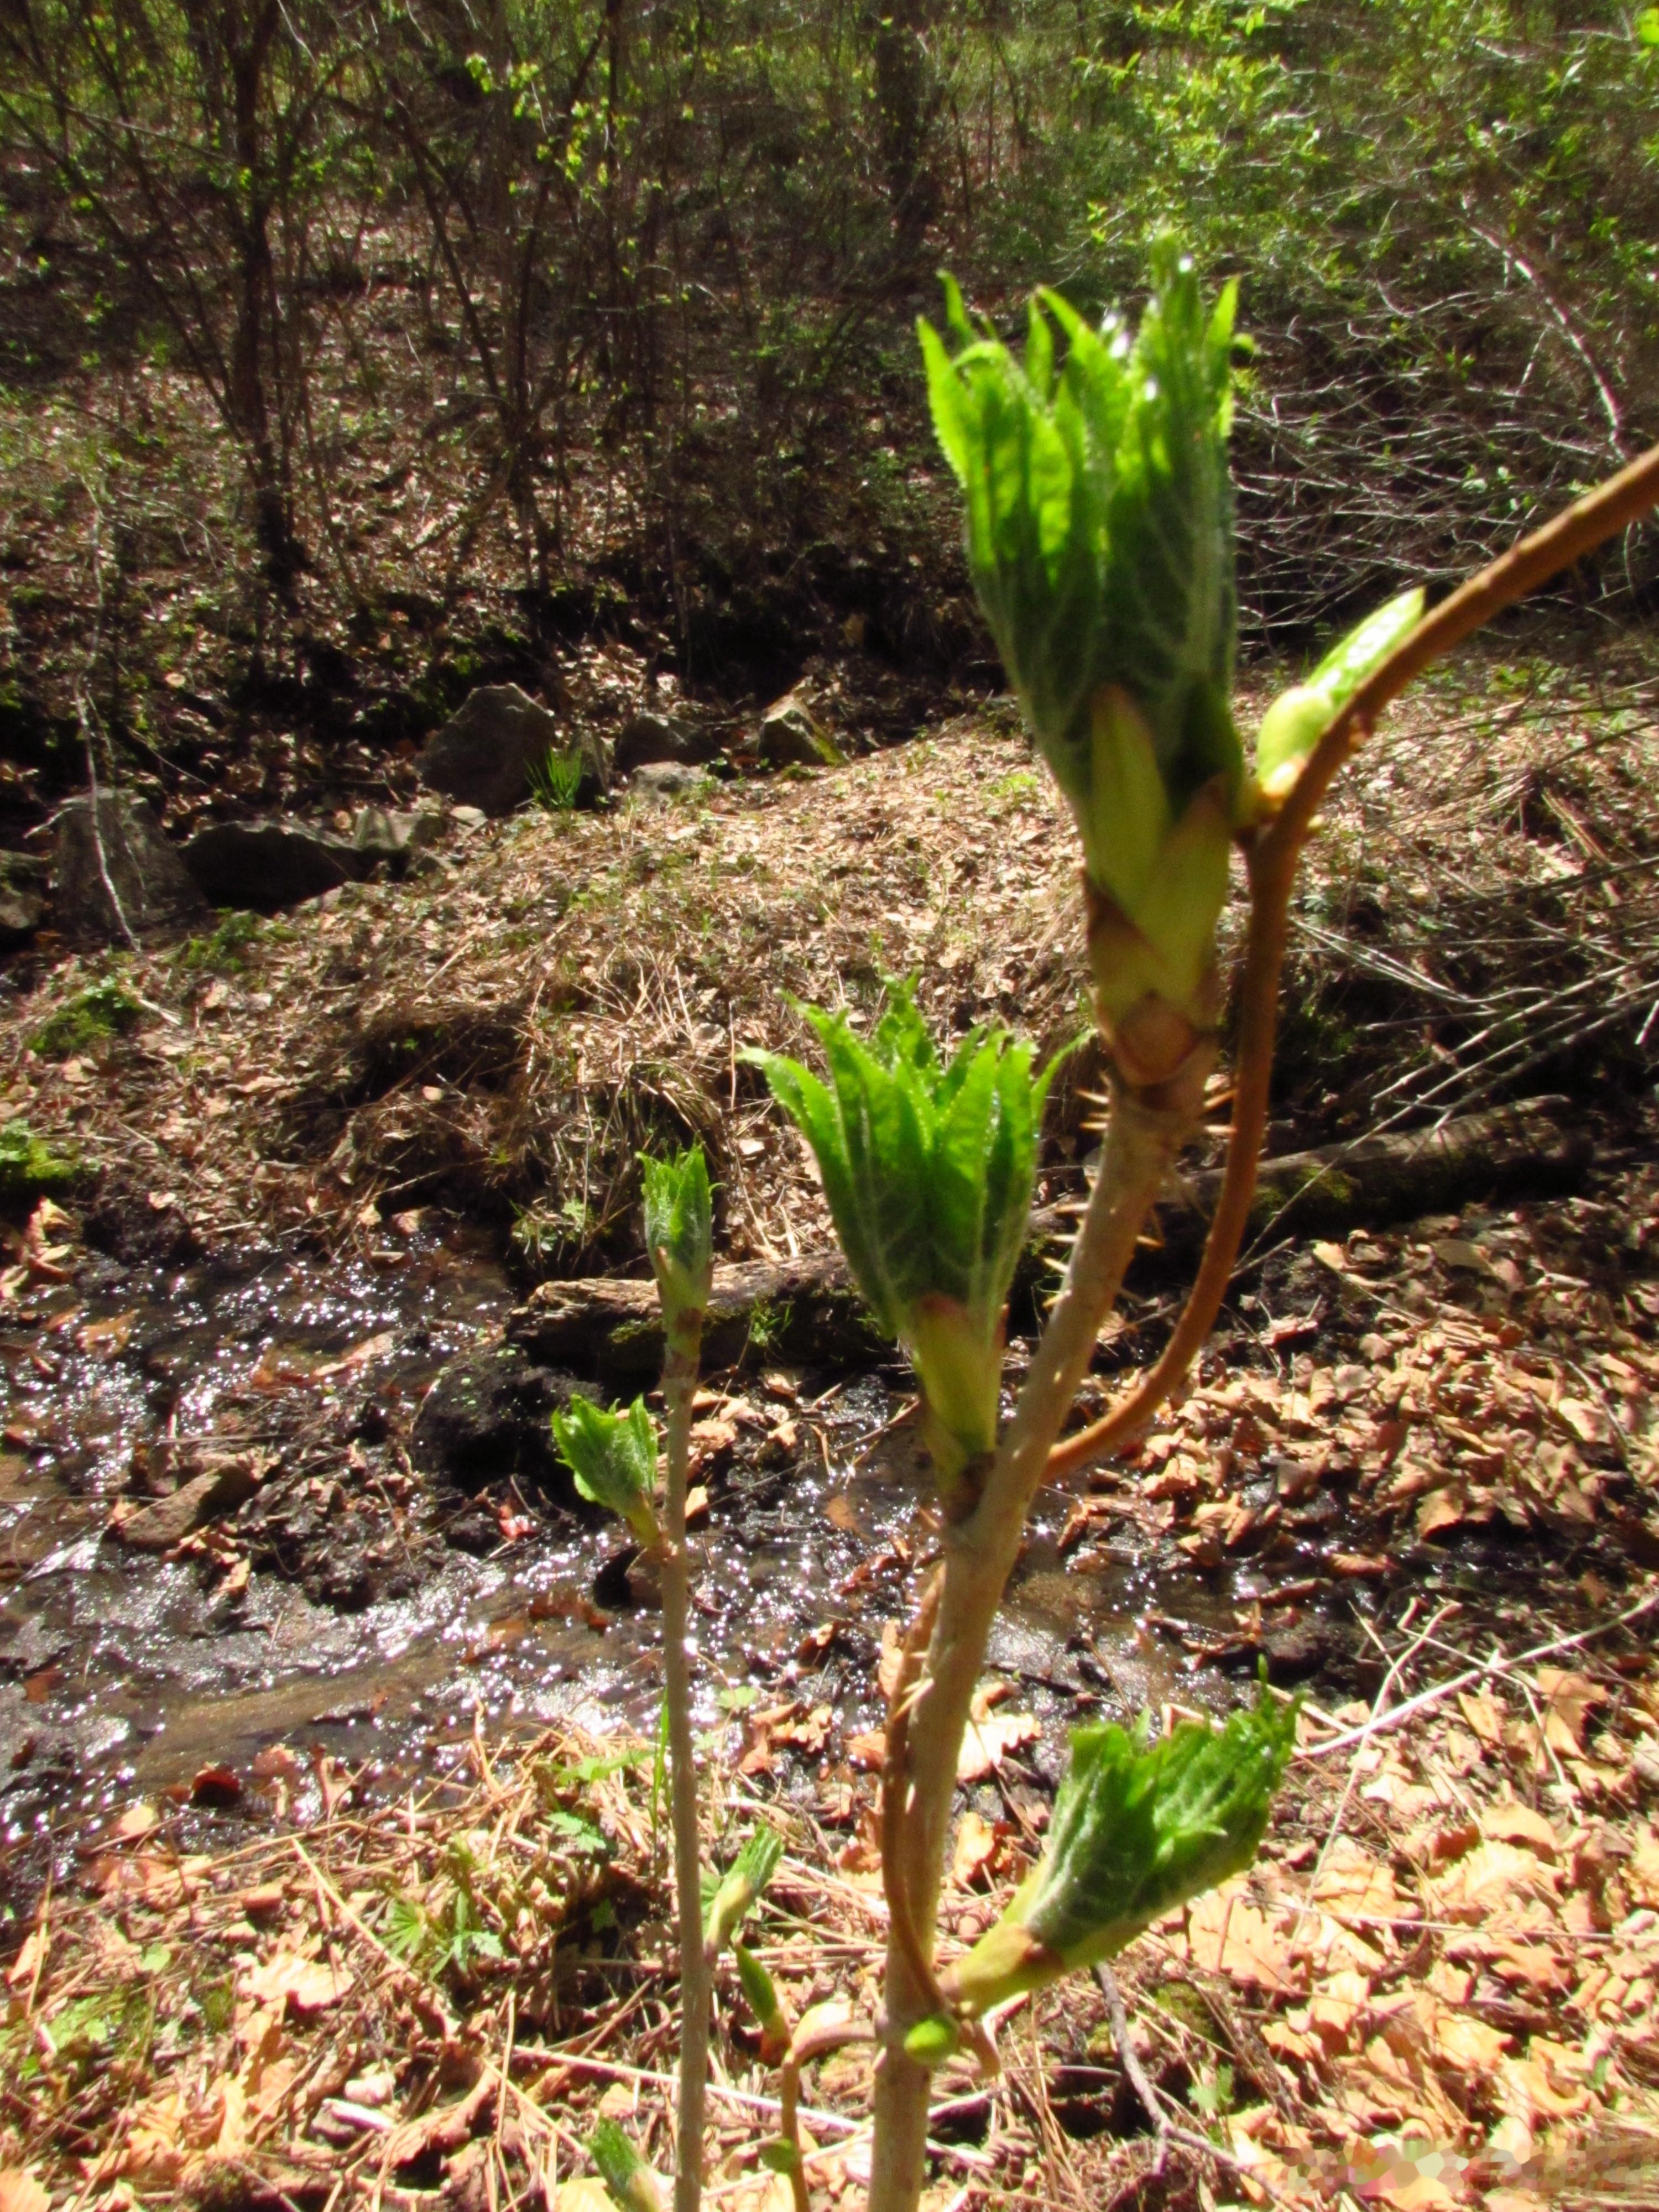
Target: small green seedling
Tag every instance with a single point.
(556, 782)
(632, 2186)
(738, 1890)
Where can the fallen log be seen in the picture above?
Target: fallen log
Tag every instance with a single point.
(806, 1312)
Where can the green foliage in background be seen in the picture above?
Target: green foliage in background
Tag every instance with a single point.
(29, 1169)
(105, 1010)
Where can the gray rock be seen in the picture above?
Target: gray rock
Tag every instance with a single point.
(262, 867)
(23, 898)
(652, 738)
(670, 779)
(153, 889)
(790, 738)
(394, 835)
(485, 754)
(486, 1418)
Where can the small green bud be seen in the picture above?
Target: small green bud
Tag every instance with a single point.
(613, 1456)
(632, 2186)
(761, 1998)
(930, 2042)
(928, 1168)
(739, 1890)
(679, 1230)
(1298, 718)
(1136, 1830)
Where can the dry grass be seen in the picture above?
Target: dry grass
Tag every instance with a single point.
(503, 1038)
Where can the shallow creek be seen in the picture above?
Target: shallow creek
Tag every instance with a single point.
(361, 1632)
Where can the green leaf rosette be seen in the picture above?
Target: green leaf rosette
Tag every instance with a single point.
(1100, 537)
(927, 1166)
(613, 1457)
(1136, 1830)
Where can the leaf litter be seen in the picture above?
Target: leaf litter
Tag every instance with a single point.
(1438, 1985)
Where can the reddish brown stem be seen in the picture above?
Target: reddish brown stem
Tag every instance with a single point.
(1273, 853)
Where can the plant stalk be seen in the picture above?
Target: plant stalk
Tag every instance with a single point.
(679, 1381)
(1273, 853)
(979, 1552)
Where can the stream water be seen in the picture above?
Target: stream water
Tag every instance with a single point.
(355, 1626)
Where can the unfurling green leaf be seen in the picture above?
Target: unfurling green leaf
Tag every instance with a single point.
(613, 1456)
(679, 1230)
(740, 1888)
(1100, 537)
(928, 1168)
(1136, 1830)
(1298, 718)
(632, 2186)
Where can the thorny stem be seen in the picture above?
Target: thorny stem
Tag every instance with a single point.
(1273, 854)
(679, 1381)
(978, 1553)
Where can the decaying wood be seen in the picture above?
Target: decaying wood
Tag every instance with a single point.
(805, 1311)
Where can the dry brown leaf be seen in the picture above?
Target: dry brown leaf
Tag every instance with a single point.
(1569, 1698)
(1467, 2043)
(20, 2192)
(1227, 1935)
(302, 1986)
(1484, 1715)
(868, 1751)
(975, 1848)
(1519, 1824)
(989, 1738)
(1441, 1509)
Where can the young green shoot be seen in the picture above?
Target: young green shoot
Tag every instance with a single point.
(928, 1166)
(612, 1454)
(1099, 530)
(1138, 1829)
(679, 1237)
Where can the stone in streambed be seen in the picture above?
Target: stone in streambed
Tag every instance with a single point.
(22, 899)
(219, 1489)
(487, 753)
(790, 737)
